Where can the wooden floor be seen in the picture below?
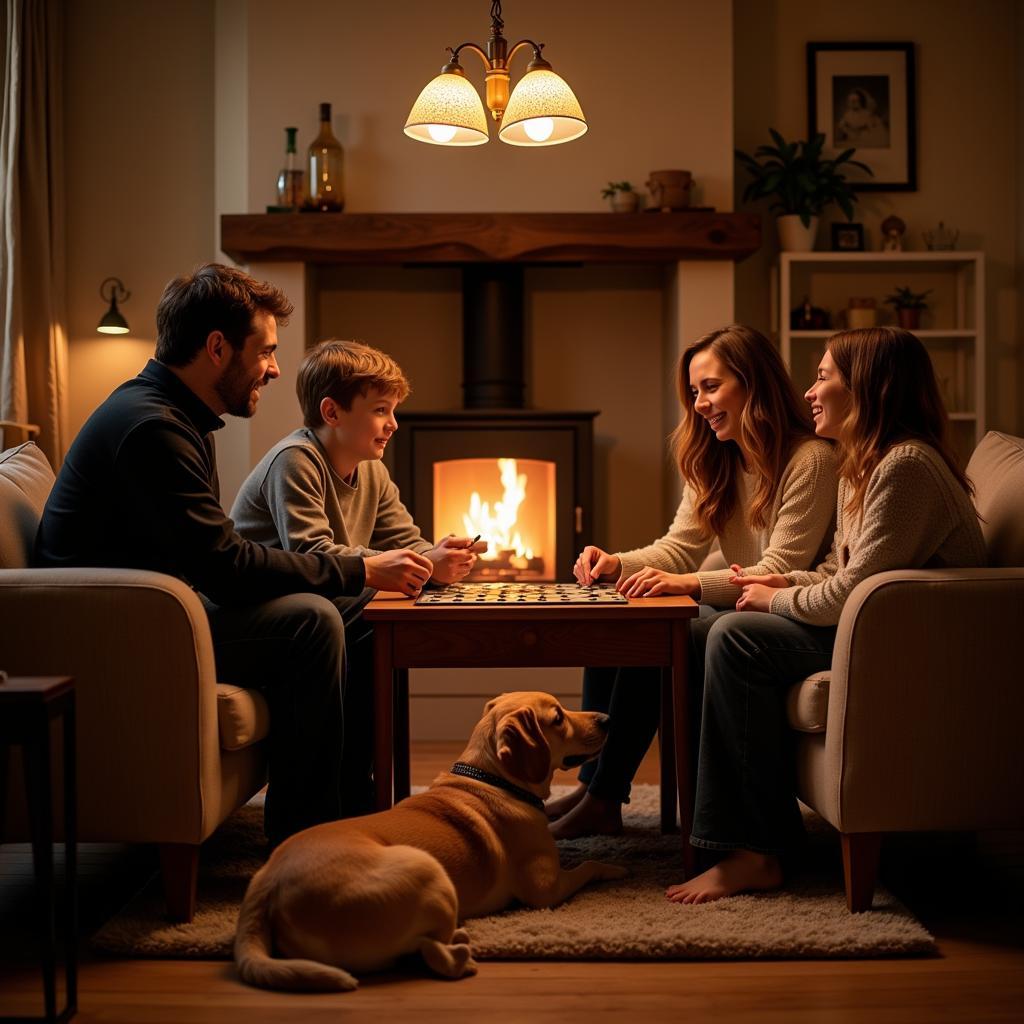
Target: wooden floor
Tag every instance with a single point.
(967, 891)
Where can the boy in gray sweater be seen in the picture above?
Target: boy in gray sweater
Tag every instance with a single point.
(324, 488)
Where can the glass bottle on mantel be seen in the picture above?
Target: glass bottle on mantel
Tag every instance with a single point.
(290, 192)
(326, 177)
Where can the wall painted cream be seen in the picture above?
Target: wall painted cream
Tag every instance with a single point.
(970, 125)
(138, 81)
(196, 96)
(581, 322)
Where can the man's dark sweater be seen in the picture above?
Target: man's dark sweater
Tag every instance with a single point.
(139, 490)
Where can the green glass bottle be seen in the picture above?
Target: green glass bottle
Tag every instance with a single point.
(290, 191)
(326, 171)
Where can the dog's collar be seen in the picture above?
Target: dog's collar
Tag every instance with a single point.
(471, 772)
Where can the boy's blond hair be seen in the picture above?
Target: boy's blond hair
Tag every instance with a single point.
(341, 370)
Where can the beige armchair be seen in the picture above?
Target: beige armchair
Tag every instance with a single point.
(917, 726)
(165, 754)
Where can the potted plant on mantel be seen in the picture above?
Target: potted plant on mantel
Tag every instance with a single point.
(908, 306)
(802, 183)
(622, 196)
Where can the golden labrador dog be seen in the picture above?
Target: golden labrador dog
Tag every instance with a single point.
(352, 896)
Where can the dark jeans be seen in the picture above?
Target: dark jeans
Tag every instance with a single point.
(745, 770)
(293, 649)
(632, 699)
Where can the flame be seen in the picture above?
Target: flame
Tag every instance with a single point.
(497, 527)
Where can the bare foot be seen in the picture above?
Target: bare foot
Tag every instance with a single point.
(741, 871)
(562, 805)
(592, 816)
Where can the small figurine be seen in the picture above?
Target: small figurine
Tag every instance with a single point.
(808, 317)
(893, 230)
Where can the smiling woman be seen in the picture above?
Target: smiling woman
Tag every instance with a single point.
(903, 503)
(757, 481)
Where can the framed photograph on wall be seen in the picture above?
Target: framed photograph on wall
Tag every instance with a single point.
(861, 96)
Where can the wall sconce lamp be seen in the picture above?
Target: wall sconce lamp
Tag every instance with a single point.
(542, 110)
(113, 322)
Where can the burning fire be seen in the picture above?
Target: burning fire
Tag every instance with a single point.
(498, 527)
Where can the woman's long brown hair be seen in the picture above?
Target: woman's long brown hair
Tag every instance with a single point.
(893, 398)
(773, 422)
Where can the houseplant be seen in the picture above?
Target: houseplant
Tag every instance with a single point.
(908, 305)
(801, 183)
(622, 196)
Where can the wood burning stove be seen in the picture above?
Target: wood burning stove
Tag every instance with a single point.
(538, 512)
(521, 478)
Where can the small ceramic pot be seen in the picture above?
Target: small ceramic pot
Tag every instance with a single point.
(793, 236)
(909, 319)
(625, 202)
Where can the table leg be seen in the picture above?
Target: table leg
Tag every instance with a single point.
(39, 793)
(680, 716)
(383, 713)
(402, 775)
(70, 862)
(5, 750)
(666, 756)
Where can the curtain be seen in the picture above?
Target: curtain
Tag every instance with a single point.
(33, 343)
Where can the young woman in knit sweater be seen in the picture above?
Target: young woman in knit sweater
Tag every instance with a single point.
(757, 480)
(903, 503)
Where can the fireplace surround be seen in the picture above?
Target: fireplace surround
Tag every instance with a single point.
(492, 251)
(685, 257)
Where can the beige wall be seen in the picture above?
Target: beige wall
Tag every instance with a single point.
(200, 94)
(970, 123)
(138, 81)
(175, 113)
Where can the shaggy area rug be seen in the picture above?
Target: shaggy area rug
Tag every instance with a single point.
(622, 920)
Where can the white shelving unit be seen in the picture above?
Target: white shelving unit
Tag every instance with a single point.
(953, 328)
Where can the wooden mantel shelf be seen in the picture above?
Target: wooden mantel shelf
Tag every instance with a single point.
(489, 237)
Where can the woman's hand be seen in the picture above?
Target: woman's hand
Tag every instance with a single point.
(756, 597)
(775, 580)
(648, 582)
(593, 564)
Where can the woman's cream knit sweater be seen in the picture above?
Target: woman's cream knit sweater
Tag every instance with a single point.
(916, 516)
(795, 536)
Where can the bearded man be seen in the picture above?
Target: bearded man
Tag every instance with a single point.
(139, 489)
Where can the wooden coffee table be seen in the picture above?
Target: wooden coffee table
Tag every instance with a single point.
(646, 632)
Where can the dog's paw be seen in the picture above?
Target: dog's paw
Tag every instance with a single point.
(611, 872)
(454, 961)
(460, 935)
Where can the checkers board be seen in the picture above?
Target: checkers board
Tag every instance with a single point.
(521, 593)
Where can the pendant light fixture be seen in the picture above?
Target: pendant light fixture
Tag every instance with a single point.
(542, 110)
(112, 321)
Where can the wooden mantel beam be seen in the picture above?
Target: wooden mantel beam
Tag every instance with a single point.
(368, 238)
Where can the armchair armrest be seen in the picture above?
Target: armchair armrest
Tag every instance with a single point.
(925, 703)
(138, 644)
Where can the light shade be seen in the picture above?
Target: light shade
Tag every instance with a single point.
(448, 112)
(542, 111)
(112, 322)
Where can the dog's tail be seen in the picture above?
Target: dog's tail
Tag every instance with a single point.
(253, 958)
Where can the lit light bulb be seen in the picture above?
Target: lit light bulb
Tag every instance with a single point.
(442, 132)
(539, 128)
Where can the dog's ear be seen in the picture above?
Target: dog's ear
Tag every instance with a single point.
(522, 747)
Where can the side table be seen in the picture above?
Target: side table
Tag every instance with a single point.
(27, 707)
